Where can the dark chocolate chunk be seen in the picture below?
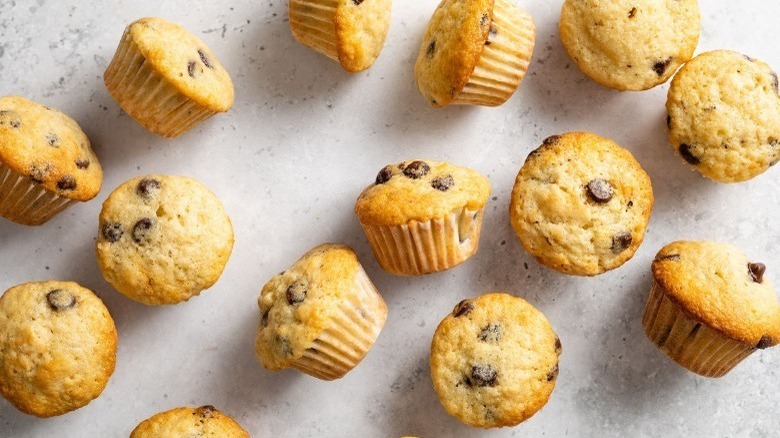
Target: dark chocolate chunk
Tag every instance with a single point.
(205, 412)
(417, 169)
(141, 230)
(60, 299)
(558, 345)
(483, 375)
(491, 333)
(757, 271)
(463, 308)
(660, 67)
(443, 183)
(668, 257)
(53, 140)
(669, 121)
(296, 292)
(765, 342)
(600, 190)
(384, 175)
(191, 68)
(204, 59)
(357, 2)
(632, 13)
(687, 154)
(749, 58)
(775, 82)
(553, 374)
(82, 163)
(112, 232)
(147, 187)
(621, 242)
(429, 52)
(66, 183)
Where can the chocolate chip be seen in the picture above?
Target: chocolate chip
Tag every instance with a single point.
(558, 345)
(15, 123)
(205, 411)
(82, 163)
(191, 68)
(687, 154)
(775, 82)
(553, 374)
(443, 183)
(621, 242)
(66, 183)
(600, 190)
(553, 139)
(765, 342)
(296, 292)
(483, 375)
(60, 299)
(632, 13)
(484, 20)
(147, 187)
(491, 333)
(357, 2)
(669, 121)
(384, 175)
(264, 318)
(668, 257)
(417, 169)
(757, 271)
(430, 51)
(141, 230)
(463, 308)
(53, 140)
(661, 66)
(112, 232)
(204, 59)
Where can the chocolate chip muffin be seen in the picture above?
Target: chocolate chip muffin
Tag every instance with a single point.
(581, 204)
(494, 361)
(46, 162)
(351, 32)
(204, 421)
(423, 216)
(474, 52)
(710, 306)
(57, 347)
(320, 316)
(724, 116)
(630, 44)
(166, 78)
(163, 239)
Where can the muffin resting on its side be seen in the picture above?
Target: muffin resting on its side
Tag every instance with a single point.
(494, 361)
(163, 239)
(57, 347)
(581, 204)
(166, 78)
(204, 421)
(724, 116)
(630, 44)
(351, 32)
(423, 216)
(320, 316)
(710, 306)
(474, 52)
(46, 162)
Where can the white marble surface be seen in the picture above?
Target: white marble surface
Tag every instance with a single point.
(288, 162)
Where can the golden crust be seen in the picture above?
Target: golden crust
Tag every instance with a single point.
(361, 31)
(204, 421)
(712, 282)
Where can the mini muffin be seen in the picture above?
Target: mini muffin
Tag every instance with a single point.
(351, 32)
(630, 44)
(494, 361)
(46, 162)
(724, 116)
(204, 421)
(710, 306)
(581, 204)
(57, 347)
(423, 216)
(320, 316)
(474, 52)
(166, 78)
(163, 239)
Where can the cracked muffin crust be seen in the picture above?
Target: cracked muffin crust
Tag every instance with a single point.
(630, 44)
(57, 347)
(320, 316)
(163, 239)
(494, 361)
(581, 204)
(724, 116)
(202, 422)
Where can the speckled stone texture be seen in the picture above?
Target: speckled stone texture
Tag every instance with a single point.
(289, 160)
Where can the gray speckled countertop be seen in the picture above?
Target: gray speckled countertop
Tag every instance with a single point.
(288, 162)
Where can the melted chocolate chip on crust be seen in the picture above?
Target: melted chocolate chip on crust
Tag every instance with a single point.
(60, 299)
(558, 345)
(66, 183)
(384, 175)
(205, 411)
(191, 68)
(764, 343)
(775, 82)
(482, 375)
(669, 121)
(661, 66)
(431, 50)
(687, 154)
(553, 374)
(141, 230)
(147, 187)
(296, 292)
(204, 59)
(53, 140)
(417, 169)
(82, 163)
(491, 333)
(621, 242)
(600, 190)
(632, 13)
(443, 183)
(112, 232)
(756, 271)
(357, 2)
(463, 308)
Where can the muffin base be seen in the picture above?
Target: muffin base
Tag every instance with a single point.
(418, 248)
(504, 60)
(313, 24)
(147, 96)
(688, 342)
(25, 202)
(353, 330)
